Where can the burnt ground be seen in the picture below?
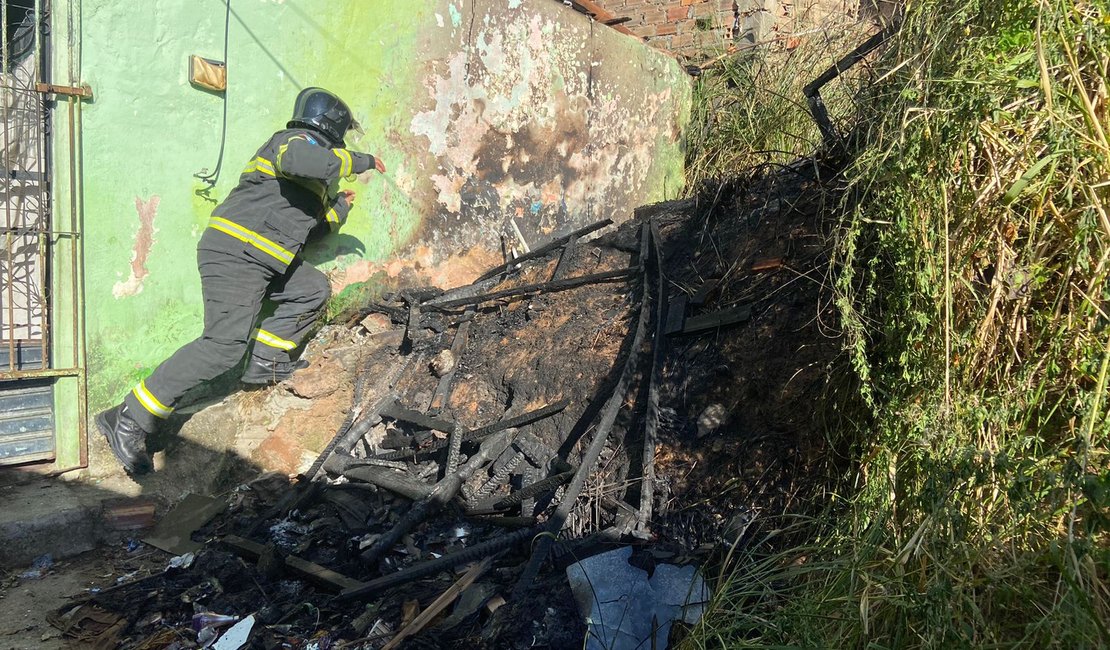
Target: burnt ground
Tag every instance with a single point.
(741, 435)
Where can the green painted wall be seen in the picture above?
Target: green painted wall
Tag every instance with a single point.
(483, 110)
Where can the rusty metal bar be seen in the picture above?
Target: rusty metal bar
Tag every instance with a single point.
(49, 234)
(79, 307)
(73, 221)
(40, 374)
(9, 326)
(84, 91)
(602, 15)
(45, 204)
(39, 52)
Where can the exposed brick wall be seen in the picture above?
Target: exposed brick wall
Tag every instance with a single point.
(688, 26)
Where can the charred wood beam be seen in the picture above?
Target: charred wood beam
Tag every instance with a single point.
(482, 432)
(812, 91)
(529, 477)
(564, 260)
(651, 425)
(546, 248)
(383, 477)
(454, 448)
(536, 288)
(431, 567)
(441, 494)
(398, 412)
(310, 571)
(520, 420)
(538, 453)
(532, 491)
(593, 452)
(458, 346)
(501, 474)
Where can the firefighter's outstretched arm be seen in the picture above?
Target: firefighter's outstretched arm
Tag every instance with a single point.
(301, 158)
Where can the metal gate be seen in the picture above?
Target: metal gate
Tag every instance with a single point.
(30, 269)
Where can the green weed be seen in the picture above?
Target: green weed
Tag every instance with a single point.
(970, 271)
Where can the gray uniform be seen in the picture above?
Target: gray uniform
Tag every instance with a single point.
(248, 253)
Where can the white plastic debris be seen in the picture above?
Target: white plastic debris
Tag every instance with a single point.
(624, 609)
(39, 567)
(182, 561)
(237, 636)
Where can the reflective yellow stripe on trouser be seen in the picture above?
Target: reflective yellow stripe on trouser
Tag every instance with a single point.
(150, 402)
(251, 237)
(273, 341)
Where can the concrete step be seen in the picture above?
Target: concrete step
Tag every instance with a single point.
(63, 518)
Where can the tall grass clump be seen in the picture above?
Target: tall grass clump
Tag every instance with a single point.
(971, 275)
(749, 110)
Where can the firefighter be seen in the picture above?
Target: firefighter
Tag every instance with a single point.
(248, 253)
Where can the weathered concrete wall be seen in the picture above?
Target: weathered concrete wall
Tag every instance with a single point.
(484, 110)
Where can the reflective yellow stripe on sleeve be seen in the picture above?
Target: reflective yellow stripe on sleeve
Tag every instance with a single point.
(254, 239)
(273, 341)
(332, 216)
(261, 165)
(346, 163)
(150, 402)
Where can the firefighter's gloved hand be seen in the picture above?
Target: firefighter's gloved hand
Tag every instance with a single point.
(348, 196)
(365, 162)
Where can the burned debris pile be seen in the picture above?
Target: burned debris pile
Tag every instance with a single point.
(501, 432)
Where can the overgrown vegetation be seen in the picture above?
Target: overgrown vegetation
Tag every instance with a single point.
(970, 271)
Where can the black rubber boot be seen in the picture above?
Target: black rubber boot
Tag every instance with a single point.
(266, 371)
(126, 438)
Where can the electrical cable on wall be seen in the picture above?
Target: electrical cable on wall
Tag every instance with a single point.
(211, 178)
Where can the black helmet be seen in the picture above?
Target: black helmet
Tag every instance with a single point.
(320, 110)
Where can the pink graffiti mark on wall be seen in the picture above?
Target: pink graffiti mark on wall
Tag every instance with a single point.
(144, 241)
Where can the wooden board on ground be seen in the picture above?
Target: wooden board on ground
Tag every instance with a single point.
(310, 571)
(717, 319)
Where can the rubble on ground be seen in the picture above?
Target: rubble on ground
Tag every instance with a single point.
(648, 387)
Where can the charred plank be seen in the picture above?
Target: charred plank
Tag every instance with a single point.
(546, 248)
(535, 288)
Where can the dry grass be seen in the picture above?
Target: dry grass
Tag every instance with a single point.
(971, 270)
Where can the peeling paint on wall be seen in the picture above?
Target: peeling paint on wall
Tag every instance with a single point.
(484, 111)
(521, 128)
(144, 241)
